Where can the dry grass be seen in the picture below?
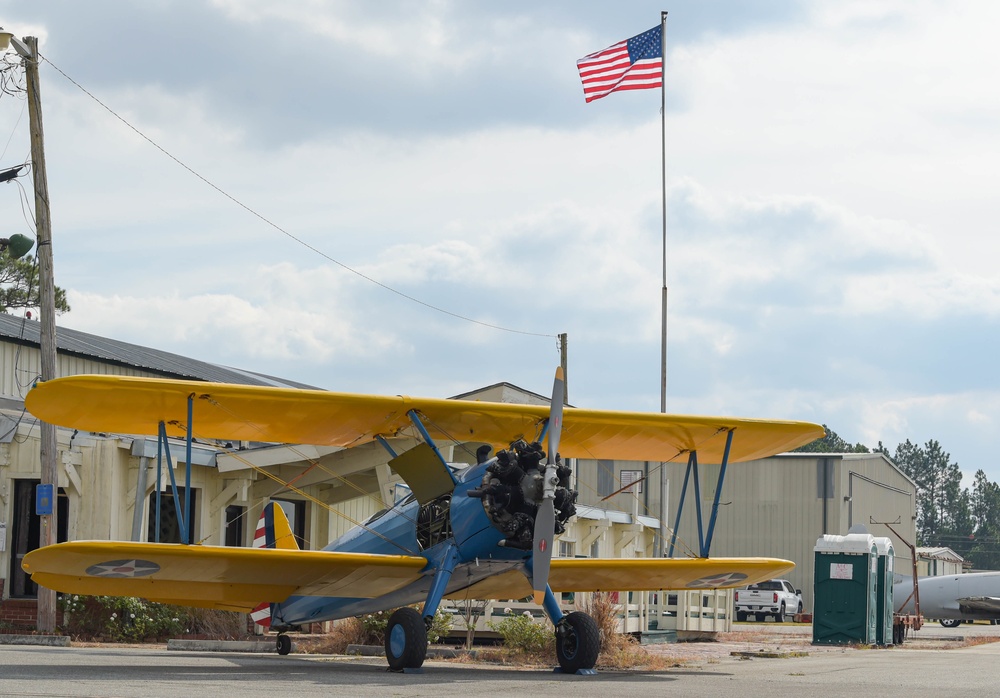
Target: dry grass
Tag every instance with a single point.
(349, 631)
(620, 651)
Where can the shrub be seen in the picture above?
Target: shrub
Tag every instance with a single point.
(373, 626)
(121, 618)
(521, 633)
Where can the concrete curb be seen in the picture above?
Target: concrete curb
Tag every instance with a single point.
(43, 640)
(432, 652)
(222, 645)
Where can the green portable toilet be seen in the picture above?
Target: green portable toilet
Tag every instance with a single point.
(845, 605)
(883, 591)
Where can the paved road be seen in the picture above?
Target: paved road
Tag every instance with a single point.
(38, 671)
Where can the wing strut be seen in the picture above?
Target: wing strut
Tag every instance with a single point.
(704, 541)
(162, 445)
(718, 493)
(415, 418)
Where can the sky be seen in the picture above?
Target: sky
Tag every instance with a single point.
(414, 198)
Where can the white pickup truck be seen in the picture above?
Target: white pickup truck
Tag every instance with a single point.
(776, 597)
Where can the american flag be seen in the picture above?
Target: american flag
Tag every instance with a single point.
(635, 64)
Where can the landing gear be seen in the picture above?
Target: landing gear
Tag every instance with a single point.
(578, 642)
(405, 640)
(950, 622)
(284, 644)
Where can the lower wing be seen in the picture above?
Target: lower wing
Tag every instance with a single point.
(634, 574)
(239, 579)
(235, 579)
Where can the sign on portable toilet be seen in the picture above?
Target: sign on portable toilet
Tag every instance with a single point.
(845, 605)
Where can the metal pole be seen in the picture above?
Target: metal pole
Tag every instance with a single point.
(563, 357)
(47, 302)
(659, 550)
(663, 181)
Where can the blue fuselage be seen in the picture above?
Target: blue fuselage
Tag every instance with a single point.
(395, 532)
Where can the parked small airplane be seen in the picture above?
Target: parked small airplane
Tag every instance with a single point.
(485, 530)
(951, 598)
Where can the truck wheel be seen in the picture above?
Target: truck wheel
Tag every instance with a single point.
(779, 617)
(741, 616)
(950, 622)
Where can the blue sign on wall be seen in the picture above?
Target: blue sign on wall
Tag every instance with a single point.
(43, 500)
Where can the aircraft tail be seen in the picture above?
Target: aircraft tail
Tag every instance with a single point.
(273, 531)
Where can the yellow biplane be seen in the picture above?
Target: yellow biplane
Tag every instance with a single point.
(480, 531)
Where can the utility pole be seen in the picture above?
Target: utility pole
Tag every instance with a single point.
(49, 474)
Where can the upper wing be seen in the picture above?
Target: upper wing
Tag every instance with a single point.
(223, 411)
(634, 574)
(979, 604)
(236, 579)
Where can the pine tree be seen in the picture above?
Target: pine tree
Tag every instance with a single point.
(19, 285)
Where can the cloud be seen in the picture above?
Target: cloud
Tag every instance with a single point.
(830, 179)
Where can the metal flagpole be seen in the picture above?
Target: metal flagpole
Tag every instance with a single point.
(663, 295)
(663, 176)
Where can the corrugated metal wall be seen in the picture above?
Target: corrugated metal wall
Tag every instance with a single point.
(20, 366)
(774, 507)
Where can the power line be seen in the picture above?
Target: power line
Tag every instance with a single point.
(281, 230)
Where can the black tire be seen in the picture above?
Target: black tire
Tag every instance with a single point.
(741, 616)
(284, 644)
(779, 617)
(950, 622)
(405, 640)
(578, 642)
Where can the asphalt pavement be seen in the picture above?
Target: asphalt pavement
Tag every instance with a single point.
(139, 672)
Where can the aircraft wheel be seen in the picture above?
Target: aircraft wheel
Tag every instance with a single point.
(741, 616)
(284, 644)
(950, 622)
(578, 642)
(405, 639)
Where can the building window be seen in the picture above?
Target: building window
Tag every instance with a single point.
(169, 530)
(595, 548)
(26, 531)
(235, 525)
(566, 548)
(605, 477)
(633, 478)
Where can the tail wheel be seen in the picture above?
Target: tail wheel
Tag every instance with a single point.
(284, 644)
(405, 640)
(578, 642)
